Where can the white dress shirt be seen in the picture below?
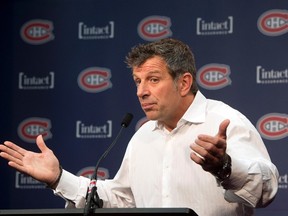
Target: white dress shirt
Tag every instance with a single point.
(157, 171)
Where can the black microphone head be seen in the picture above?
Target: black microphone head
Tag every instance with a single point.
(127, 120)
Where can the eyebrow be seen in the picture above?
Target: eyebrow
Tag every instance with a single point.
(149, 73)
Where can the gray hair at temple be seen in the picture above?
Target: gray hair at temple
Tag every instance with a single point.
(177, 55)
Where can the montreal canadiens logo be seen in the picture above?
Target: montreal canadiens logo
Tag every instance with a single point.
(273, 22)
(30, 128)
(154, 28)
(214, 76)
(273, 126)
(37, 31)
(95, 79)
(102, 173)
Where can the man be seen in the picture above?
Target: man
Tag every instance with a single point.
(194, 152)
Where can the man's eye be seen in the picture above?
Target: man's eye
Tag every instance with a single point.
(154, 80)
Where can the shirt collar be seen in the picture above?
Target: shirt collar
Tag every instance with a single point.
(194, 114)
(196, 111)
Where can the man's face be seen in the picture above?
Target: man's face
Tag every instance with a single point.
(157, 92)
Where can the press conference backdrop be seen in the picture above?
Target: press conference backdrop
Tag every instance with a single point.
(63, 75)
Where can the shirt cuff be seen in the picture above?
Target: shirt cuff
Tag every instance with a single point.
(239, 175)
(70, 187)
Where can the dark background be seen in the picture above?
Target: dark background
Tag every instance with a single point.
(245, 48)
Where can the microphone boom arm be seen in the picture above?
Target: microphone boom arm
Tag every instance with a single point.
(93, 200)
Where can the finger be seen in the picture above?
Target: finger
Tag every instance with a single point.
(197, 158)
(11, 158)
(10, 151)
(223, 129)
(14, 147)
(210, 145)
(200, 150)
(41, 144)
(17, 166)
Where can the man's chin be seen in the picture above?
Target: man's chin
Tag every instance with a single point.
(151, 115)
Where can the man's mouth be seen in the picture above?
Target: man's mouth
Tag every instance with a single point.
(147, 106)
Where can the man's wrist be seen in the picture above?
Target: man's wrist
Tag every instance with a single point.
(54, 184)
(225, 171)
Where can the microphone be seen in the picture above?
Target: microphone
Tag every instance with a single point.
(92, 199)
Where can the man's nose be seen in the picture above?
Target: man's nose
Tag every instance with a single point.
(142, 90)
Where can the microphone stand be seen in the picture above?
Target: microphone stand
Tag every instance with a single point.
(93, 200)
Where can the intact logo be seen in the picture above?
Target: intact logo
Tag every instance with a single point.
(95, 79)
(86, 32)
(90, 131)
(30, 128)
(214, 76)
(37, 31)
(154, 28)
(271, 76)
(273, 22)
(23, 181)
(32, 82)
(102, 173)
(213, 27)
(273, 126)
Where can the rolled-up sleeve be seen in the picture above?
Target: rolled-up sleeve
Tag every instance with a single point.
(254, 178)
(257, 189)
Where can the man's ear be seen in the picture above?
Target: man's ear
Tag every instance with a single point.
(186, 82)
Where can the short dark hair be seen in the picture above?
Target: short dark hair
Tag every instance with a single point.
(177, 55)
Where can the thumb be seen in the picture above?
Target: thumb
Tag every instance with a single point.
(223, 128)
(40, 143)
